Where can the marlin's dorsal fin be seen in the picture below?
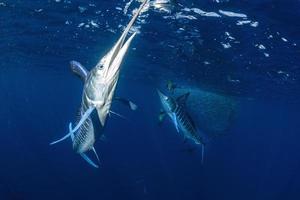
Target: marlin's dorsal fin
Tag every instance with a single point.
(182, 98)
(78, 69)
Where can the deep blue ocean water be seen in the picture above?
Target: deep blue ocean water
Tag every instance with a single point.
(254, 60)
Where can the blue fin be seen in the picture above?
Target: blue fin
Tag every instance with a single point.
(87, 159)
(79, 70)
(62, 139)
(65, 137)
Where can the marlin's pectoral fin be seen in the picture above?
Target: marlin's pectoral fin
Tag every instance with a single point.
(161, 116)
(175, 122)
(79, 70)
(127, 102)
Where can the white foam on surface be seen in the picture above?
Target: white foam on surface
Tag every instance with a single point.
(260, 46)
(94, 24)
(232, 14)
(254, 24)
(243, 22)
(230, 79)
(161, 5)
(204, 13)
(82, 9)
(80, 25)
(179, 15)
(226, 45)
(127, 6)
(229, 36)
(38, 10)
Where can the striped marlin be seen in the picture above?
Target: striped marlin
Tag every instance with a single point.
(176, 110)
(98, 92)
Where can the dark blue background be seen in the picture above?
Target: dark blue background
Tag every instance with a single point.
(259, 159)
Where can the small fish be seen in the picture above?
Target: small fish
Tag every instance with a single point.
(176, 110)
